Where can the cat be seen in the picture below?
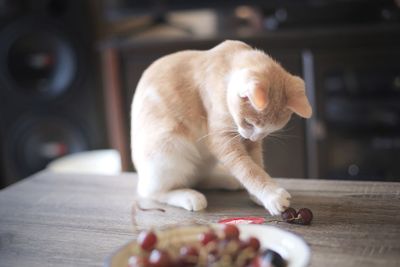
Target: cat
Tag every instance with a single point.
(198, 120)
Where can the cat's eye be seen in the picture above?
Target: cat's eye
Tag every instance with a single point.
(247, 124)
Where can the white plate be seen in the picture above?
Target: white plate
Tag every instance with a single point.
(290, 246)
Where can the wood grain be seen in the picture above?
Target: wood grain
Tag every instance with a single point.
(78, 220)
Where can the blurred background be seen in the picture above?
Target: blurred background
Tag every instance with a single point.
(68, 71)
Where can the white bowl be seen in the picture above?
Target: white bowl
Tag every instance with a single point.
(290, 246)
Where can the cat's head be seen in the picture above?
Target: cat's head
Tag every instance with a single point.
(262, 96)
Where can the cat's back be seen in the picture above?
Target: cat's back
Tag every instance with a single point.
(168, 89)
(175, 93)
(168, 80)
(189, 63)
(171, 67)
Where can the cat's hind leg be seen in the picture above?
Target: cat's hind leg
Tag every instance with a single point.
(168, 175)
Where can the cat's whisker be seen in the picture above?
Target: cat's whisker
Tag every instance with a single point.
(276, 140)
(231, 129)
(219, 132)
(282, 135)
(283, 130)
(287, 128)
(231, 139)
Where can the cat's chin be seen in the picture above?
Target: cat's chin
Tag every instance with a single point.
(250, 139)
(253, 139)
(243, 134)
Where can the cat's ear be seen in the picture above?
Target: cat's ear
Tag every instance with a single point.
(257, 95)
(297, 100)
(298, 103)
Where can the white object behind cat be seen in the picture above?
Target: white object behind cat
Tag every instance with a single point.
(106, 162)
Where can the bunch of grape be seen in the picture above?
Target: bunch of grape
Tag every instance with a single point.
(303, 216)
(214, 248)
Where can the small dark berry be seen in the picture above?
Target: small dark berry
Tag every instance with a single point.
(272, 258)
(304, 216)
(254, 243)
(147, 240)
(207, 237)
(289, 215)
(231, 231)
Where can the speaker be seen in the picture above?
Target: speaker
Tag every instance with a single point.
(50, 91)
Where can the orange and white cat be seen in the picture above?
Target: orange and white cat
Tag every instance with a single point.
(198, 120)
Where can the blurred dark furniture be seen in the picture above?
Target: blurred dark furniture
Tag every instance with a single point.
(50, 91)
(352, 72)
(357, 129)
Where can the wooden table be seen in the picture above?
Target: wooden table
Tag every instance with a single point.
(77, 220)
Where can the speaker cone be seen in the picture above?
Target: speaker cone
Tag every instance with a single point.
(37, 60)
(37, 141)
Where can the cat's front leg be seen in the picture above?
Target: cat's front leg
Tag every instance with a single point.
(235, 157)
(255, 150)
(273, 197)
(269, 194)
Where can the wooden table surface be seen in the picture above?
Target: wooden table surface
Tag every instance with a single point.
(78, 220)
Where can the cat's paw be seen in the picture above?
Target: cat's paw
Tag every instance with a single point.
(186, 198)
(275, 199)
(194, 201)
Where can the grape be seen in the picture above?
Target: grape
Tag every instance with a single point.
(231, 231)
(270, 257)
(207, 237)
(289, 215)
(159, 258)
(147, 240)
(222, 248)
(305, 216)
(254, 243)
